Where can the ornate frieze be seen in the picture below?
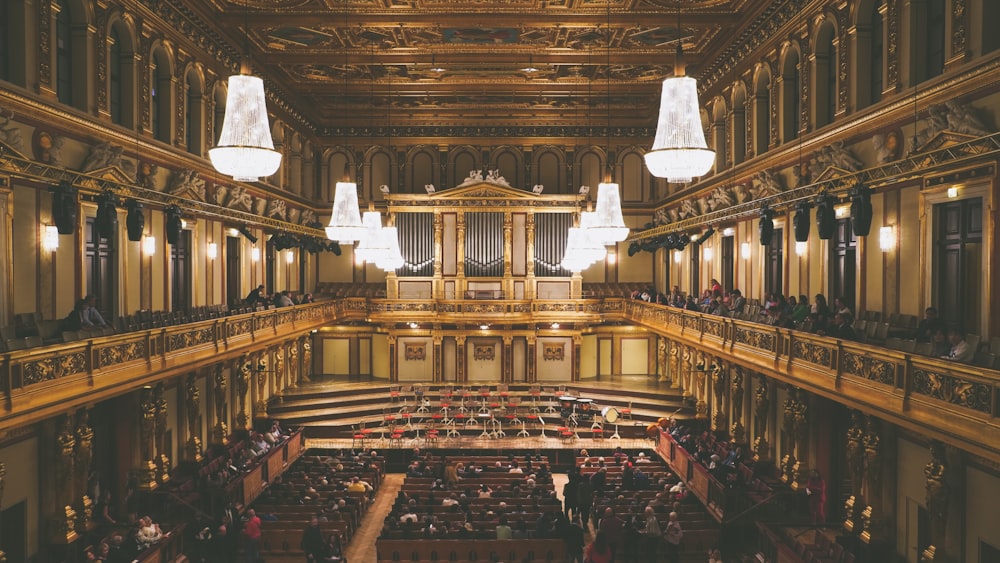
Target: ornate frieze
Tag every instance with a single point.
(121, 353)
(953, 389)
(812, 352)
(53, 367)
(872, 369)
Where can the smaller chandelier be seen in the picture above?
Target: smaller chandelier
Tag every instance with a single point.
(392, 258)
(583, 248)
(373, 247)
(606, 224)
(345, 221)
(679, 150)
(245, 150)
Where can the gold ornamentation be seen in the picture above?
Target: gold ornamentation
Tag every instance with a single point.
(163, 462)
(121, 353)
(83, 450)
(415, 352)
(238, 327)
(949, 388)
(849, 513)
(856, 453)
(812, 353)
(872, 369)
(220, 433)
(192, 402)
(53, 367)
(754, 338)
(484, 352)
(187, 339)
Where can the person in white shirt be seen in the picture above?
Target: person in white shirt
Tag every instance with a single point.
(91, 316)
(960, 350)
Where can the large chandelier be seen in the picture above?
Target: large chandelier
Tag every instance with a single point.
(679, 150)
(606, 224)
(372, 247)
(583, 245)
(393, 258)
(245, 150)
(345, 221)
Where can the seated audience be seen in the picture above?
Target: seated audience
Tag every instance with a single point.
(960, 350)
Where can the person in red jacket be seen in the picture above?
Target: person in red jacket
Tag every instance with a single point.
(816, 489)
(251, 536)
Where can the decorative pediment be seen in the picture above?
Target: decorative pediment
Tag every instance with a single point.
(943, 140)
(484, 190)
(111, 173)
(483, 194)
(831, 172)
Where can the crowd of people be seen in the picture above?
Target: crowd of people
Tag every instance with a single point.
(818, 317)
(259, 297)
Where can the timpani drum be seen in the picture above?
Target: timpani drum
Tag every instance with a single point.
(611, 415)
(586, 409)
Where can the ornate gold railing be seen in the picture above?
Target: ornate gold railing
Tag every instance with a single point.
(936, 397)
(38, 382)
(434, 310)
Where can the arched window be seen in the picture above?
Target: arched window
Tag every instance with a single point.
(762, 111)
(193, 113)
(877, 54)
(739, 124)
(934, 39)
(64, 50)
(791, 96)
(115, 76)
(219, 114)
(825, 74)
(159, 88)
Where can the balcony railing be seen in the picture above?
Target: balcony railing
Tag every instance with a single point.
(933, 396)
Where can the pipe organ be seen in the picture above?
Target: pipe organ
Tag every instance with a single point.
(483, 241)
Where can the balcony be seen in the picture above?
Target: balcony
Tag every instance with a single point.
(946, 400)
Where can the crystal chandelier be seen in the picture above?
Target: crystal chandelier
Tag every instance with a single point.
(679, 150)
(606, 224)
(345, 221)
(245, 150)
(393, 258)
(372, 248)
(583, 248)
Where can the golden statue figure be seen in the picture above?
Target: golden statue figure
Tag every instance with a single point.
(161, 458)
(241, 376)
(937, 488)
(737, 387)
(192, 402)
(873, 461)
(306, 359)
(83, 453)
(856, 453)
(65, 446)
(220, 432)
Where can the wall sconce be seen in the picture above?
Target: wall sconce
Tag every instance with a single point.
(678, 257)
(484, 327)
(50, 238)
(289, 257)
(801, 248)
(728, 232)
(886, 238)
(255, 254)
(745, 250)
(232, 232)
(612, 257)
(841, 211)
(213, 251)
(707, 252)
(149, 245)
(953, 192)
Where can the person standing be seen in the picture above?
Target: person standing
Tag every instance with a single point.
(256, 296)
(251, 536)
(598, 551)
(570, 496)
(651, 534)
(673, 535)
(312, 541)
(584, 500)
(611, 525)
(573, 536)
(816, 490)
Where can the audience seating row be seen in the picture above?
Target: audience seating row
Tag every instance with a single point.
(472, 551)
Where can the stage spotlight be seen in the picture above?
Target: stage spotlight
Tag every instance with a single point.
(683, 240)
(135, 221)
(173, 224)
(245, 231)
(671, 240)
(861, 210)
(706, 235)
(766, 225)
(800, 222)
(826, 215)
(64, 208)
(106, 221)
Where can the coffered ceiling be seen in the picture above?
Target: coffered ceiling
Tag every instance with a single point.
(357, 63)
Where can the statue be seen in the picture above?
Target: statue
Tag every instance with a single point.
(661, 358)
(185, 182)
(937, 488)
(961, 119)
(219, 393)
(144, 177)
(48, 147)
(886, 146)
(688, 209)
(737, 387)
(163, 461)
(147, 425)
(98, 157)
(308, 217)
(276, 209)
(873, 461)
(842, 158)
(856, 453)
(720, 198)
(762, 405)
(788, 417)
(278, 382)
(9, 133)
(192, 402)
(800, 423)
(241, 378)
(307, 359)
(718, 383)
(765, 184)
(83, 453)
(65, 446)
(239, 199)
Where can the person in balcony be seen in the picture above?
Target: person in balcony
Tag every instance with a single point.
(960, 351)
(256, 297)
(91, 316)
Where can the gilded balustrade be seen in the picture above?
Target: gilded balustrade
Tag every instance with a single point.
(39, 382)
(936, 397)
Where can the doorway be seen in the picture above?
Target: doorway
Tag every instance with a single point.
(843, 263)
(958, 259)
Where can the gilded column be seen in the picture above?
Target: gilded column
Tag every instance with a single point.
(577, 345)
(872, 443)
(393, 360)
(278, 372)
(686, 367)
(241, 379)
(762, 410)
(260, 369)
(700, 376)
(675, 365)
(938, 493)
(800, 426)
(460, 375)
(220, 432)
(788, 424)
(460, 246)
(83, 455)
(737, 430)
(438, 360)
(508, 230)
(529, 254)
(438, 243)
(307, 359)
(47, 12)
(162, 459)
(661, 359)
(718, 374)
(532, 375)
(293, 364)
(147, 424)
(192, 404)
(508, 359)
(64, 519)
